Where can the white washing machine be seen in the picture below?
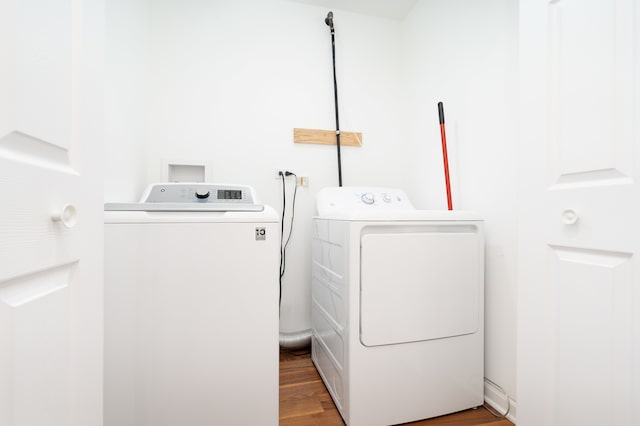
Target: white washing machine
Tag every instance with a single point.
(191, 308)
(397, 306)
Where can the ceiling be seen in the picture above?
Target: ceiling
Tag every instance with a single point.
(391, 9)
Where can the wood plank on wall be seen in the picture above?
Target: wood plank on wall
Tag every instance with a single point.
(326, 137)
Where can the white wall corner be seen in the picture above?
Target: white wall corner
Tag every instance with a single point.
(500, 402)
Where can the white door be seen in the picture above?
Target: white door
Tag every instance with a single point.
(579, 273)
(50, 271)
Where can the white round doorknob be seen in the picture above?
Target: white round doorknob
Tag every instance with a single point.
(569, 217)
(68, 215)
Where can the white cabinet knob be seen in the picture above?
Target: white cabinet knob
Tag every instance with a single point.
(569, 217)
(68, 215)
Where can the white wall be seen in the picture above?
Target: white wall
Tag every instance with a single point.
(230, 80)
(126, 97)
(464, 53)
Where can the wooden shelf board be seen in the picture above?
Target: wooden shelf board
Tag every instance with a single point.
(326, 137)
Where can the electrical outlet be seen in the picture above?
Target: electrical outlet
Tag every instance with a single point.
(280, 172)
(301, 180)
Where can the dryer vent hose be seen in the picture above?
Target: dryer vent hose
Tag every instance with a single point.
(297, 340)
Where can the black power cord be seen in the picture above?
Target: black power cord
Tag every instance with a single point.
(283, 243)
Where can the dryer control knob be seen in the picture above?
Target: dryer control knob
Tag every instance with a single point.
(202, 193)
(367, 198)
(386, 198)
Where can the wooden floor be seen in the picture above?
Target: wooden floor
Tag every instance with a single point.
(304, 401)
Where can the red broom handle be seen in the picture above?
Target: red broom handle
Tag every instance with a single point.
(443, 136)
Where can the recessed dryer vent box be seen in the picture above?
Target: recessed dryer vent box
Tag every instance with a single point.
(186, 171)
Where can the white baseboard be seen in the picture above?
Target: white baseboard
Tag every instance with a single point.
(498, 401)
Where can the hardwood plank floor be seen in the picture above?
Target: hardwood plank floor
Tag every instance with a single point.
(304, 401)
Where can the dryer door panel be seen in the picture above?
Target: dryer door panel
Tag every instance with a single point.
(419, 286)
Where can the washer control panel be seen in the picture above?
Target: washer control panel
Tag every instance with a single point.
(198, 193)
(334, 200)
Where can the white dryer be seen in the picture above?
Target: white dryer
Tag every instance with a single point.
(191, 308)
(397, 306)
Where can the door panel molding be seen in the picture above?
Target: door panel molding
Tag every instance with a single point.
(592, 336)
(591, 68)
(602, 258)
(18, 146)
(23, 289)
(591, 178)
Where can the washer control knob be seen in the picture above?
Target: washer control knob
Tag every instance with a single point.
(367, 198)
(202, 193)
(386, 198)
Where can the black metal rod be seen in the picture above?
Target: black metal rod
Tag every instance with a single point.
(335, 95)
